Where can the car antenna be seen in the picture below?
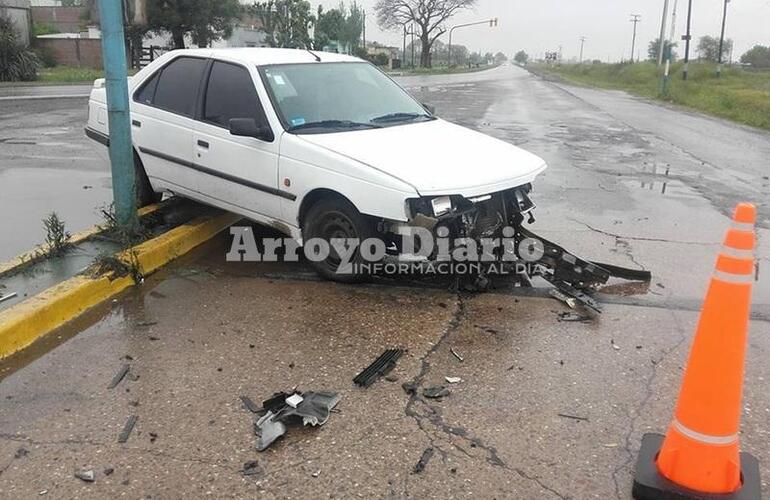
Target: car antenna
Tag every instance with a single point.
(317, 57)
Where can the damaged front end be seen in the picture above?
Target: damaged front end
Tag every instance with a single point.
(489, 230)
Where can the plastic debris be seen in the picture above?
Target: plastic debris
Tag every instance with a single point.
(86, 475)
(312, 408)
(423, 462)
(126, 432)
(11, 295)
(381, 366)
(453, 380)
(435, 392)
(119, 376)
(252, 468)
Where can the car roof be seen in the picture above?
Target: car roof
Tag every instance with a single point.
(267, 56)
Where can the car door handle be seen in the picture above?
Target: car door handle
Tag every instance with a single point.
(136, 123)
(203, 144)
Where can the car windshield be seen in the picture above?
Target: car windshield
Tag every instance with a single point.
(335, 97)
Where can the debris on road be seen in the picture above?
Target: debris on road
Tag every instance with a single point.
(423, 462)
(126, 432)
(435, 392)
(409, 387)
(381, 366)
(252, 468)
(11, 295)
(460, 358)
(392, 378)
(573, 417)
(250, 405)
(312, 408)
(86, 475)
(614, 345)
(556, 294)
(119, 376)
(453, 380)
(316, 473)
(569, 317)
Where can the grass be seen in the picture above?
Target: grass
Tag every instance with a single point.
(69, 74)
(739, 95)
(442, 70)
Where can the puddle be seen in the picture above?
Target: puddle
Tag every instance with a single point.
(30, 194)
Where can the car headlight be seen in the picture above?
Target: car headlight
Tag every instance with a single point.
(441, 205)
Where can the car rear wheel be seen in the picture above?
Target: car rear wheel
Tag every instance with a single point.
(144, 192)
(337, 218)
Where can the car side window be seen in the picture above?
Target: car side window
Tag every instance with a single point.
(177, 87)
(230, 94)
(146, 94)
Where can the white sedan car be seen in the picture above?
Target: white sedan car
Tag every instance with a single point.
(315, 145)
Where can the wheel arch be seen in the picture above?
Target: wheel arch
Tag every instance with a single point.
(316, 195)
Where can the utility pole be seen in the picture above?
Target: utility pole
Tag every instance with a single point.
(722, 40)
(582, 42)
(661, 43)
(636, 19)
(411, 28)
(669, 54)
(403, 63)
(687, 38)
(492, 23)
(363, 28)
(116, 84)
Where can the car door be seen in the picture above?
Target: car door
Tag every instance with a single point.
(237, 172)
(162, 122)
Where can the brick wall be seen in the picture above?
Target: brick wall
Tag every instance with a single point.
(64, 19)
(80, 52)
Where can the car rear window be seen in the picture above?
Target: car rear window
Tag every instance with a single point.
(177, 87)
(230, 94)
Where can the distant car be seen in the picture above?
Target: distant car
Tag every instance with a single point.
(315, 145)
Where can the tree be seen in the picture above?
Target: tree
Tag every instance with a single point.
(16, 62)
(286, 23)
(429, 16)
(339, 25)
(521, 57)
(654, 47)
(708, 48)
(758, 57)
(205, 20)
(500, 58)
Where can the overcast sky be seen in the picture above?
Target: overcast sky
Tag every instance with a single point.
(540, 25)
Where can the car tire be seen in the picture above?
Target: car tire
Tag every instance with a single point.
(144, 192)
(337, 218)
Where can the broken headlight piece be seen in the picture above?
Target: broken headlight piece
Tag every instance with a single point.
(441, 205)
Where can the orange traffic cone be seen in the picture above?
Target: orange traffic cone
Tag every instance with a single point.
(699, 456)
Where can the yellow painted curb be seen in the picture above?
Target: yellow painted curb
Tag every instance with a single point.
(24, 323)
(37, 253)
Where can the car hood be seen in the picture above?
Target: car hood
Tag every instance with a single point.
(437, 157)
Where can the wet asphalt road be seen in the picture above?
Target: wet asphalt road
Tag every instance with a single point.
(629, 183)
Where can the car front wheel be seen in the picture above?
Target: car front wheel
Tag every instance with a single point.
(337, 218)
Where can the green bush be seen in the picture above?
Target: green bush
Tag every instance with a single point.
(16, 62)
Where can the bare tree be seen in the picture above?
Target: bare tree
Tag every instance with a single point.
(429, 16)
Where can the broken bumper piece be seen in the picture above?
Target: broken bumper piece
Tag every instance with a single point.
(283, 410)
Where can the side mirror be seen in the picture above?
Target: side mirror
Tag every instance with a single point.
(429, 108)
(247, 127)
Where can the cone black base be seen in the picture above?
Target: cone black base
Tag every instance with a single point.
(649, 484)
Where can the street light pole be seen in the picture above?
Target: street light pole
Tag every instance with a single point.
(636, 19)
(661, 43)
(687, 38)
(116, 85)
(582, 42)
(492, 23)
(722, 40)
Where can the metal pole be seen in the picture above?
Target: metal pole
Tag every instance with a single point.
(582, 42)
(116, 83)
(661, 43)
(364, 29)
(412, 30)
(403, 62)
(687, 38)
(721, 41)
